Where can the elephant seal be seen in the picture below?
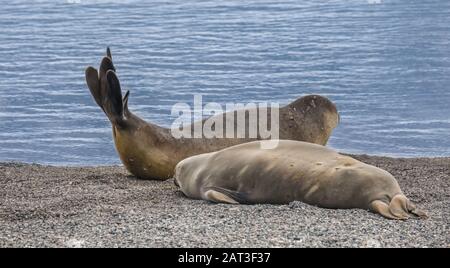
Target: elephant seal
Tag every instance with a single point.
(294, 171)
(149, 151)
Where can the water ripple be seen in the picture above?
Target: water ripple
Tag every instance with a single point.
(387, 66)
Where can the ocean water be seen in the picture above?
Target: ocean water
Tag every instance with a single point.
(386, 64)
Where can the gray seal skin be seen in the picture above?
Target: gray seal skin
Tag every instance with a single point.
(149, 151)
(294, 171)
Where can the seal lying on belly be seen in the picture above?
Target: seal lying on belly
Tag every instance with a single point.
(149, 151)
(294, 171)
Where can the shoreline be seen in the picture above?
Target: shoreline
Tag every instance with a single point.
(354, 155)
(104, 206)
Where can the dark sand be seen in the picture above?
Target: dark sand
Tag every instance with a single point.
(42, 206)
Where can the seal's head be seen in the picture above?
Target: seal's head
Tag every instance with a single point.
(318, 113)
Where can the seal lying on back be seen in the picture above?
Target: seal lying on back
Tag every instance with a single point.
(294, 171)
(151, 152)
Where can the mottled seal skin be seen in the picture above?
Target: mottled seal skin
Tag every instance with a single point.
(149, 151)
(294, 171)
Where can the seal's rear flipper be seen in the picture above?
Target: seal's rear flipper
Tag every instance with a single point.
(96, 80)
(113, 105)
(108, 53)
(126, 112)
(382, 208)
(222, 195)
(105, 88)
(419, 213)
(415, 211)
(93, 83)
(105, 66)
(400, 208)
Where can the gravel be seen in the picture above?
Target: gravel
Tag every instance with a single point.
(45, 206)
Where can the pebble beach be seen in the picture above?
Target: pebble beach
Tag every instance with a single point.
(47, 206)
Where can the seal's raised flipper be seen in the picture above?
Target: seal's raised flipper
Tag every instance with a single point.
(108, 53)
(105, 66)
(113, 104)
(96, 80)
(105, 88)
(126, 112)
(93, 83)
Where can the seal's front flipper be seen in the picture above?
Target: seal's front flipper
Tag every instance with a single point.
(222, 195)
(218, 197)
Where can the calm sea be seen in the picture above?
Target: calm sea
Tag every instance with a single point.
(386, 64)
